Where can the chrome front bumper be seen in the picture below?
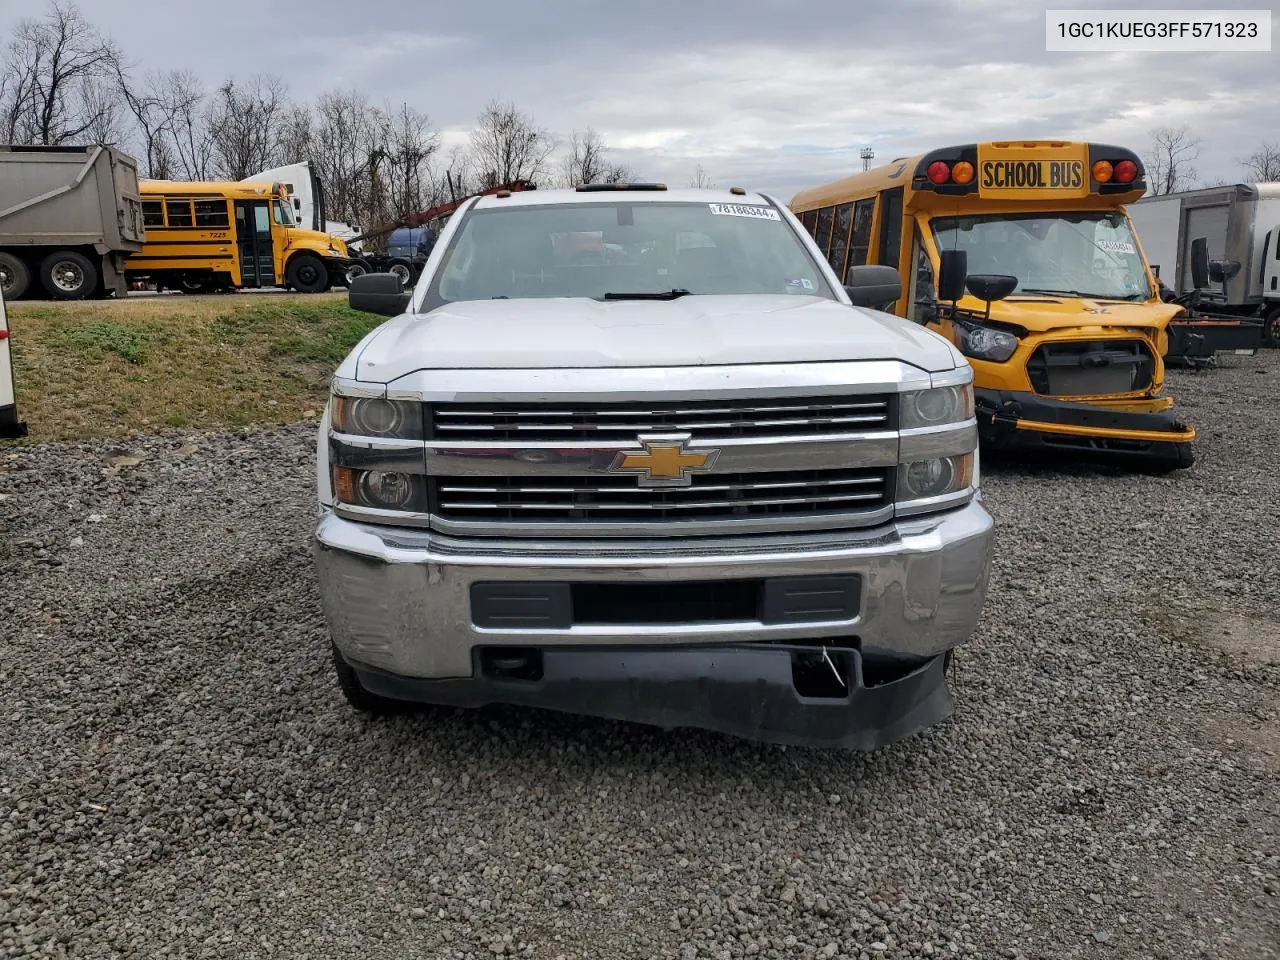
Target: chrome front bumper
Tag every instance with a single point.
(399, 600)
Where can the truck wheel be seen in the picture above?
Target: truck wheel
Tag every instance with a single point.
(404, 271)
(307, 274)
(1271, 329)
(358, 696)
(68, 275)
(14, 276)
(357, 268)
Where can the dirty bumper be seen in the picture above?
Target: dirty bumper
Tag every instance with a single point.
(1027, 421)
(748, 691)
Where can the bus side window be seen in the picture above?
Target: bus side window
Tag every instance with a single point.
(860, 240)
(922, 299)
(179, 212)
(153, 213)
(840, 240)
(824, 229)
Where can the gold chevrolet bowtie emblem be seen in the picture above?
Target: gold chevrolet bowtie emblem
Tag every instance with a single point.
(665, 462)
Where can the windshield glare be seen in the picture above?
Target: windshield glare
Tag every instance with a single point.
(594, 249)
(1092, 254)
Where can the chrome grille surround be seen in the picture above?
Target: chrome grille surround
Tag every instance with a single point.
(533, 453)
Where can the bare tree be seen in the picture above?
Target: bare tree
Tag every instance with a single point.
(409, 144)
(1169, 163)
(506, 145)
(586, 161)
(166, 110)
(701, 179)
(245, 125)
(1263, 165)
(55, 79)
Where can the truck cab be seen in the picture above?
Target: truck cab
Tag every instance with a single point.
(695, 482)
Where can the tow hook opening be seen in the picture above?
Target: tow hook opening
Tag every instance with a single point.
(511, 663)
(823, 673)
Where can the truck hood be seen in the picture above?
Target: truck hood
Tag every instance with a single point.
(1043, 313)
(690, 331)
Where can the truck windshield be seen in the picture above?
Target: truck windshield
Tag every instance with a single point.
(1075, 254)
(617, 249)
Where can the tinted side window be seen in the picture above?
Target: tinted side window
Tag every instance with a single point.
(179, 213)
(823, 236)
(860, 240)
(211, 213)
(153, 213)
(840, 239)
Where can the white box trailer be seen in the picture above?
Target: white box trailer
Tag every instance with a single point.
(10, 425)
(1240, 225)
(69, 218)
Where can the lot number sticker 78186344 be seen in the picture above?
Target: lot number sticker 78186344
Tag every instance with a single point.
(744, 210)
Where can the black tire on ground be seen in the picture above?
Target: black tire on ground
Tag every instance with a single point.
(358, 696)
(14, 276)
(404, 270)
(67, 275)
(357, 268)
(1271, 329)
(307, 274)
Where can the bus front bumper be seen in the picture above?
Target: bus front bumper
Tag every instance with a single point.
(1009, 420)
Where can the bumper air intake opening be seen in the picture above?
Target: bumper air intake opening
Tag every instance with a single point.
(511, 663)
(823, 676)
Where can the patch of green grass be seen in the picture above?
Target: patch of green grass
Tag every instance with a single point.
(108, 367)
(104, 336)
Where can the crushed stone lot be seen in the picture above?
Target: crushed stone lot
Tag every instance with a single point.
(180, 777)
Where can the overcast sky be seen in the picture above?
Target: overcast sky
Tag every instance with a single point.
(770, 94)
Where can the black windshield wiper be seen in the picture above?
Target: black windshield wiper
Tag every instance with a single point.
(1078, 293)
(663, 295)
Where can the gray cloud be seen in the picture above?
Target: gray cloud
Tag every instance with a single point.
(772, 95)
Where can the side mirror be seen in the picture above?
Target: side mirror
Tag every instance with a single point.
(1221, 271)
(952, 268)
(873, 285)
(381, 293)
(990, 287)
(1199, 263)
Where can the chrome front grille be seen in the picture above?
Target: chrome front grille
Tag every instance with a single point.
(719, 419)
(842, 495)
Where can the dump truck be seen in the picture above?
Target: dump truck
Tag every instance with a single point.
(69, 218)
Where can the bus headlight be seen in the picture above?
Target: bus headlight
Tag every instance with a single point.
(985, 343)
(936, 406)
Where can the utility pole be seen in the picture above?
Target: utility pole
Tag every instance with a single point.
(867, 156)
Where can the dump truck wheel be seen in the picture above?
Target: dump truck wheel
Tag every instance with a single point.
(14, 276)
(307, 274)
(404, 270)
(68, 275)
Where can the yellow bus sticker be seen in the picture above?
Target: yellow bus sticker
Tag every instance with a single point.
(1000, 175)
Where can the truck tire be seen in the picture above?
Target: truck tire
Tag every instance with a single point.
(360, 698)
(307, 274)
(357, 268)
(67, 275)
(14, 276)
(1271, 329)
(404, 270)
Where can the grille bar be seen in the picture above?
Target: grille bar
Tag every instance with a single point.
(712, 497)
(526, 422)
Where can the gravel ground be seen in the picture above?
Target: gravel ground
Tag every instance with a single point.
(179, 776)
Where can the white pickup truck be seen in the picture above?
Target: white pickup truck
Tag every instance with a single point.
(635, 453)
(10, 425)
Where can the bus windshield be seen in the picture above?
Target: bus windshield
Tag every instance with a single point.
(621, 250)
(1071, 254)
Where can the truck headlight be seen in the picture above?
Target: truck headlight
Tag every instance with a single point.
(927, 479)
(985, 343)
(376, 417)
(936, 406)
(380, 490)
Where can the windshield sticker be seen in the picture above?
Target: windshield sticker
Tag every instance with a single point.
(800, 282)
(744, 210)
(1116, 246)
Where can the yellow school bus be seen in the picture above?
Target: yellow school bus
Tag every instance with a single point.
(1046, 288)
(213, 236)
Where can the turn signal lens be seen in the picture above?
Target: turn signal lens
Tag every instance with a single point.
(1126, 171)
(962, 172)
(1102, 171)
(938, 172)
